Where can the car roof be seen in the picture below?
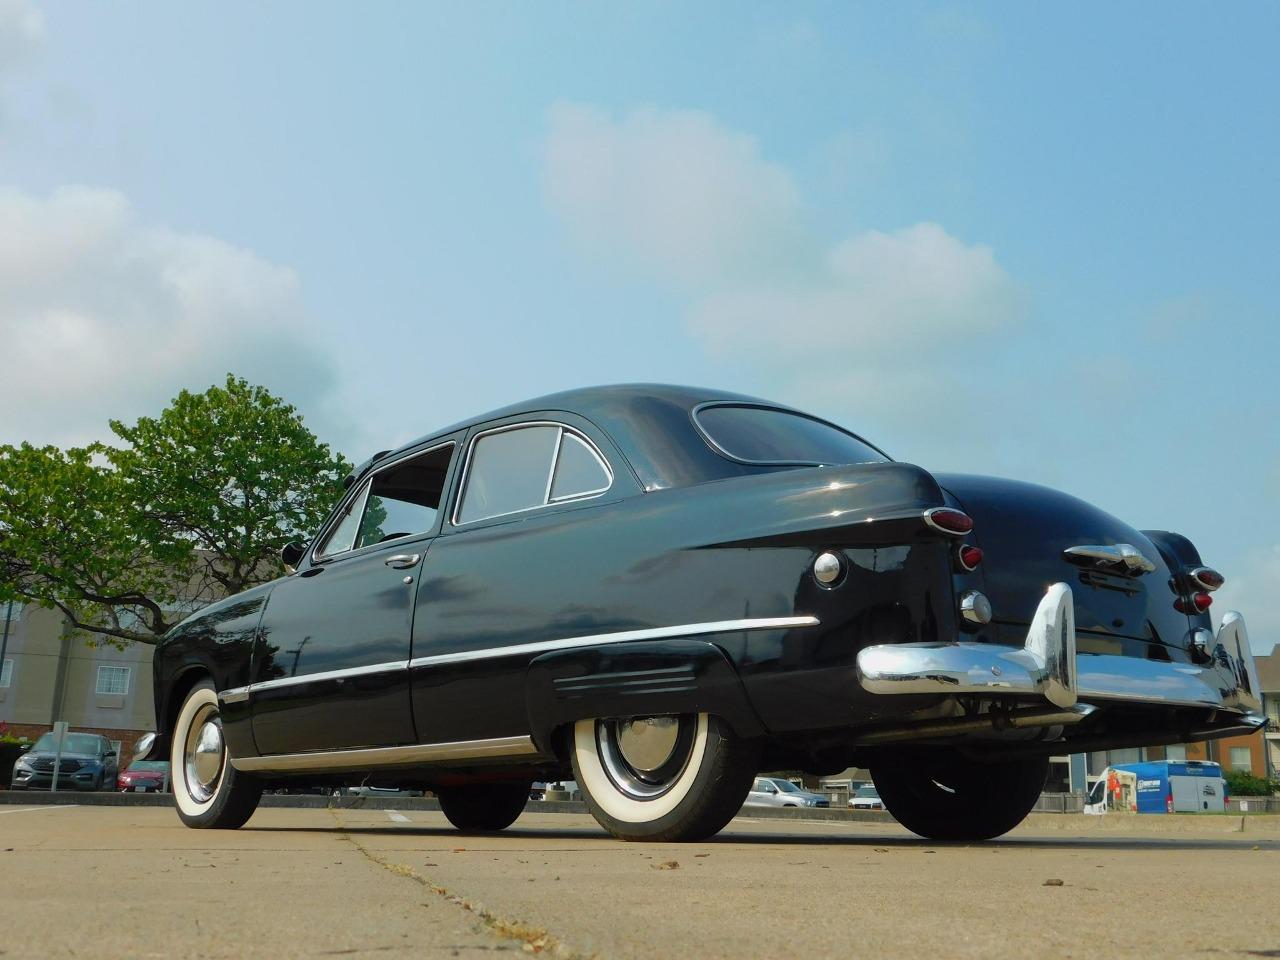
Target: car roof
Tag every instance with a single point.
(650, 422)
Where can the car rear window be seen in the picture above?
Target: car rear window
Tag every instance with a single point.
(770, 436)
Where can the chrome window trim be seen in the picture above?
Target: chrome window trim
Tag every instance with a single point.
(366, 485)
(623, 636)
(238, 694)
(753, 405)
(507, 427)
(493, 748)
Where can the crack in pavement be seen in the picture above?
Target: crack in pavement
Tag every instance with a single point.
(532, 939)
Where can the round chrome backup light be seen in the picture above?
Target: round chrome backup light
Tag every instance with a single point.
(975, 607)
(827, 569)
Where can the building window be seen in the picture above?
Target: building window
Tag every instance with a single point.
(6, 673)
(11, 611)
(1177, 752)
(113, 681)
(1241, 759)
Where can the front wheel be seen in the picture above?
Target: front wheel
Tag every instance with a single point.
(662, 778)
(207, 789)
(484, 807)
(942, 796)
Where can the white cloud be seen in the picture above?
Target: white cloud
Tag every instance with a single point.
(103, 315)
(21, 32)
(672, 191)
(1251, 588)
(700, 208)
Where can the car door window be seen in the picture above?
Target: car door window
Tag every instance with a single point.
(400, 500)
(405, 498)
(514, 469)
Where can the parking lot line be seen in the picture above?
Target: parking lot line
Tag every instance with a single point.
(51, 806)
(397, 816)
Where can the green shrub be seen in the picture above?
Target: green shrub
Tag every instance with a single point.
(1241, 783)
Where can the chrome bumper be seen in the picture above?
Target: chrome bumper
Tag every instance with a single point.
(1047, 666)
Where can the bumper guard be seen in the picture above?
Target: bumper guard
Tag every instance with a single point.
(1047, 666)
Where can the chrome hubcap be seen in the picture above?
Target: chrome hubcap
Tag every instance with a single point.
(645, 756)
(648, 742)
(203, 755)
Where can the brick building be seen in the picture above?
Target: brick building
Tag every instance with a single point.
(48, 674)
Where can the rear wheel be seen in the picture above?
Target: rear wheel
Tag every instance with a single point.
(943, 796)
(484, 806)
(207, 789)
(662, 778)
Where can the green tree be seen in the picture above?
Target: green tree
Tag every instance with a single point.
(186, 507)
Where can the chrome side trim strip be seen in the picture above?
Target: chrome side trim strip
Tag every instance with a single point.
(325, 675)
(416, 753)
(239, 694)
(624, 636)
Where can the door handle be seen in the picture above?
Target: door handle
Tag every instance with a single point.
(402, 561)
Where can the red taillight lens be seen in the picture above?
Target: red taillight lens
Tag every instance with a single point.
(1200, 602)
(1168, 803)
(970, 556)
(1209, 579)
(954, 522)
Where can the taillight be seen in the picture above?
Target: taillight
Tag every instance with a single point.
(969, 556)
(1168, 803)
(1200, 602)
(956, 523)
(1208, 579)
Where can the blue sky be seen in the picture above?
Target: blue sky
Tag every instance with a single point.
(1015, 239)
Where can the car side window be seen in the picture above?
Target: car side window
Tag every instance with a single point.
(404, 499)
(400, 500)
(514, 469)
(579, 470)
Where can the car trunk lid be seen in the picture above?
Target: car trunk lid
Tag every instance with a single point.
(1032, 536)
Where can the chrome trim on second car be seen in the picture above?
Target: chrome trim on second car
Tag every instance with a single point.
(624, 636)
(1124, 554)
(1048, 666)
(414, 753)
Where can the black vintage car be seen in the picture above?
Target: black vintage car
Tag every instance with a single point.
(659, 591)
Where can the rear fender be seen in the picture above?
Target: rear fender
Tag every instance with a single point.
(635, 680)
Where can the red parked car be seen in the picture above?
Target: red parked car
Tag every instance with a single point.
(144, 776)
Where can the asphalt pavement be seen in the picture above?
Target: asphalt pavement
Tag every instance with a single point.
(133, 882)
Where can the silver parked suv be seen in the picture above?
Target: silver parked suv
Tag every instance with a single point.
(776, 792)
(88, 763)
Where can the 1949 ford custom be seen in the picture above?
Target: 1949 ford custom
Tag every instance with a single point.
(660, 591)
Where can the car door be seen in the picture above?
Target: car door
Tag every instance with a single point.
(330, 663)
(517, 563)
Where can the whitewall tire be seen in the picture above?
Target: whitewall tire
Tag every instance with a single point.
(662, 778)
(207, 789)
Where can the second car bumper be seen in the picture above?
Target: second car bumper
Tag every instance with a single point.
(1047, 666)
